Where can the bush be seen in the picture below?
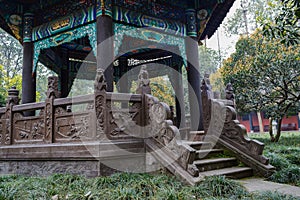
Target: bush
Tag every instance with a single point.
(285, 156)
(125, 187)
(219, 186)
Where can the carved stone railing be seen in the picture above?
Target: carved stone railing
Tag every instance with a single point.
(160, 133)
(100, 116)
(221, 124)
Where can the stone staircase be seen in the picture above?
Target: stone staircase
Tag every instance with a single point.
(198, 157)
(213, 160)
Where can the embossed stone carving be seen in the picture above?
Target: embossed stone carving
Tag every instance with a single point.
(73, 127)
(60, 111)
(28, 130)
(165, 133)
(229, 93)
(143, 82)
(236, 134)
(206, 94)
(52, 93)
(100, 82)
(232, 131)
(100, 101)
(46, 168)
(12, 99)
(52, 87)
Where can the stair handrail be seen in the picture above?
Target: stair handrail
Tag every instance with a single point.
(233, 134)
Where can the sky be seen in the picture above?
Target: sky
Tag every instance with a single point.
(227, 44)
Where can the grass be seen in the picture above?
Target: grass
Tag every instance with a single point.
(284, 155)
(125, 187)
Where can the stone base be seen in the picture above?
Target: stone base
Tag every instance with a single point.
(83, 159)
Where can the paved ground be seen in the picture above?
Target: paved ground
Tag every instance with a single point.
(259, 185)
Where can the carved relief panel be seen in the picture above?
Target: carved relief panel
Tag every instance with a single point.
(28, 129)
(71, 127)
(123, 122)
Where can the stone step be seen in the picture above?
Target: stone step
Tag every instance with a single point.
(215, 163)
(200, 154)
(199, 145)
(196, 135)
(232, 172)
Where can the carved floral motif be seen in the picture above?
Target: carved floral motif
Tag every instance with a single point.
(73, 127)
(100, 101)
(228, 128)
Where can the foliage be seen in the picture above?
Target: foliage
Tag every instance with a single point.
(209, 60)
(265, 74)
(285, 156)
(42, 81)
(10, 65)
(285, 27)
(249, 15)
(124, 186)
(217, 83)
(10, 54)
(162, 89)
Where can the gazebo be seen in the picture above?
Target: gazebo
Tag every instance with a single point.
(60, 34)
(103, 40)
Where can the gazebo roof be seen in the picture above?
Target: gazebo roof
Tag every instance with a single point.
(210, 13)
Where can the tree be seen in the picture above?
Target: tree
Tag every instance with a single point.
(2, 89)
(249, 16)
(209, 60)
(10, 55)
(10, 64)
(286, 26)
(266, 76)
(217, 83)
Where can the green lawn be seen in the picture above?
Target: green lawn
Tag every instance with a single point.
(125, 186)
(284, 155)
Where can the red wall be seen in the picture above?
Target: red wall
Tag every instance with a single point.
(288, 123)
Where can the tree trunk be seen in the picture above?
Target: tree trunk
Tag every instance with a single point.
(278, 131)
(271, 130)
(261, 127)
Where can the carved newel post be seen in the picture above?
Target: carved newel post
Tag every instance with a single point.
(100, 102)
(51, 93)
(12, 99)
(206, 95)
(143, 83)
(229, 93)
(143, 88)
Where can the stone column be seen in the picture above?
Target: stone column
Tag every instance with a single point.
(64, 74)
(176, 81)
(105, 44)
(192, 54)
(28, 76)
(123, 82)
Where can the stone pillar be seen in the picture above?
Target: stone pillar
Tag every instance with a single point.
(105, 44)
(251, 123)
(176, 81)
(64, 75)
(28, 77)
(123, 81)
(193, 74)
